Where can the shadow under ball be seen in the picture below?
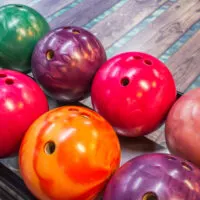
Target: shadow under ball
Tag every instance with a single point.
(65, 61)
(21, 27)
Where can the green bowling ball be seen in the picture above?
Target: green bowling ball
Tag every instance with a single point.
(20, 29)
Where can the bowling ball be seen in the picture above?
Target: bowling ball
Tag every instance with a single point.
(21, 102)
(64, 63)
(21, 27)
(182, 130)
(134, 92)
(155, 177)
(69, 153)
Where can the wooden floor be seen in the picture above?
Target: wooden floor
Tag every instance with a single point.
(167, 29)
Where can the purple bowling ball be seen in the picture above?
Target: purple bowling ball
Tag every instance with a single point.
(65, 61)
(155, 177)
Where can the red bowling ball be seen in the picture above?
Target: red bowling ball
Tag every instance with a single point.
(21, 102)
(134, 92)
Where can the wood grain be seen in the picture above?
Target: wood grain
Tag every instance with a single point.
(166, 29)
(82, 13)
(118, 23)
(48, 7)
(185, 63)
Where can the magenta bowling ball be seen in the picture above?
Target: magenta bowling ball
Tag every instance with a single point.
(65, 61)
(133, 91)
(155, 177)
(22, 101)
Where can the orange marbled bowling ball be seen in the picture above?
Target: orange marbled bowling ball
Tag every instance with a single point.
(69, 153)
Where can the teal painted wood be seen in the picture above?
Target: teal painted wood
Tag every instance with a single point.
(81, 14)
(59, 13)
(103, 15)
(48, 7)
(136, 30)
(195, 84)
(180, 42)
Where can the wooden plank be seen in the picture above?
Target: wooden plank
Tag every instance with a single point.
(166, 29)
(158, 136)
(132, 147)
(48, 7)
(185, 68)
(195, 84)
(118, 23)
(185, 63)
(5, 2)
(82, 13)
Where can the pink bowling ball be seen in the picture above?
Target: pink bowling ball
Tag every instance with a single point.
(21, 102)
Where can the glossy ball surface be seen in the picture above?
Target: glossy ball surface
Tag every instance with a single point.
(155, 177)
(182, 128)
(69, 153)
(133, 91)
(21, 27)
(21, 102)
(65, 61)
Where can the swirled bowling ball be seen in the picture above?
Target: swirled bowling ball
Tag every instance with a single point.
(21, 27)
(69, 153)
(65, 61)
(155, 177)
(133, 91)
(21, 102)
(182, 130)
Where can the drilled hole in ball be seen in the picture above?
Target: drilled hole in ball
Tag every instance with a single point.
(3, 75)
(9, 81)
(50, 147)
(150, 196)
(85, 115)
(148, 62)
(73, 109)
(186, 166)
(50, 54)
(137, 57)
(170, 158)
(75, 31)
(125, 81)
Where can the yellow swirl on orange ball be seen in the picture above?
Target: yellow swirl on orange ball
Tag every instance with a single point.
(69, 153)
